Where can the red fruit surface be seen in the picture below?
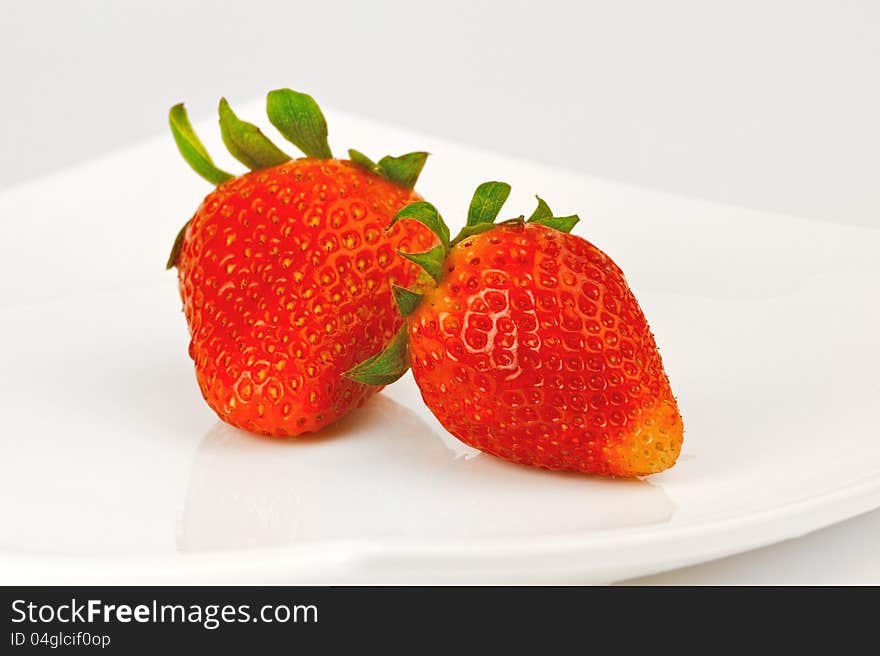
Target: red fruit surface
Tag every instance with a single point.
(285, 275)
(534, 349)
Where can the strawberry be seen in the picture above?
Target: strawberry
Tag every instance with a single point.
(285, 272)
(529, 345)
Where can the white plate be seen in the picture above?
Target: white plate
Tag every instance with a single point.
(114, 470)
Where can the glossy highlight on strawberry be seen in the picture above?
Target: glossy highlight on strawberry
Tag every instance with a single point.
(285, 272)
(532, 347)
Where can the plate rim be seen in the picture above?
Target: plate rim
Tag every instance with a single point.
(361, 560)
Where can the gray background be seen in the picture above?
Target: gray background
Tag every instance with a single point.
(771, 105)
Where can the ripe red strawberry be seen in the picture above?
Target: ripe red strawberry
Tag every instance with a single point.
(531, 346)
(286, 272)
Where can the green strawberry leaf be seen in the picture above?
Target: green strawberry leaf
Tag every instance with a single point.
(192, 149)
(542, 211)
(403, 170)
(470, 231)
(487, 202)
(543, 215)
(363, 161)
(407, 300)
(385, 367)
(427, 215)
(175, 248)
(298, 117)
(561, 223)
(246, 141)
(431, 261)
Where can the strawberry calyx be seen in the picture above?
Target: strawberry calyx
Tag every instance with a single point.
(430, 261)
(176, 247)
(192, 149)
(402, 170)
(299, 119)
(297, 116)
(246, 142)
(406, 299)
(487, 201)
(386, 367)
(544, 215)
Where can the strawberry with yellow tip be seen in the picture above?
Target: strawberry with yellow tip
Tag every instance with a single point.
(530, 345)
